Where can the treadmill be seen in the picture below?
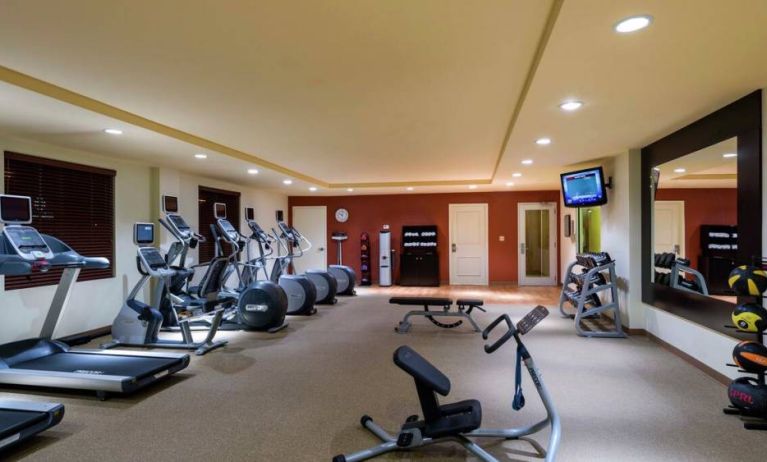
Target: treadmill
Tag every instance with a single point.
(44, 362)
(20, 420)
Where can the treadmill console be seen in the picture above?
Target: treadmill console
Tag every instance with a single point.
(226, 227)
(27, 242)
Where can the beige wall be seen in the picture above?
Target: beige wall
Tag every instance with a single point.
(138, 187)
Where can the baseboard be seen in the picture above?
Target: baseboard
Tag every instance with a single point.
(87, 336)
(719, 377)
(629, 331)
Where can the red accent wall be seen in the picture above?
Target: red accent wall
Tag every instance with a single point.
(702, 207)
(370, 213)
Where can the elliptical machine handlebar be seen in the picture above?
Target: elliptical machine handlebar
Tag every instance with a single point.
(511, 332)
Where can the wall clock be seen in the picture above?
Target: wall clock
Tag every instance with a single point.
(342, 215)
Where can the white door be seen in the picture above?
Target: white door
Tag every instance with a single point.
(468, 244)
(537, 243)
(669, 229)
(311, 221)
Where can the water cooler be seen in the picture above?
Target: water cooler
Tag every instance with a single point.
(384, 257)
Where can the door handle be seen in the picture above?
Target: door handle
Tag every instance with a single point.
(453, 247)
(321, 249)
(522, 248)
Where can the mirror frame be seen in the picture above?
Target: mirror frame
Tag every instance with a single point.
(741, 119)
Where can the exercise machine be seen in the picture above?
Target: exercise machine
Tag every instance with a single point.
(587, 278)
(44, 362)
(260, 305)
(138, 323)
(301, 292)
(460, 422)
(21, 420)
(345, 275)
(464, 309)
(325, 284)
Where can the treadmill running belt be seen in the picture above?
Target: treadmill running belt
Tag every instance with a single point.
(130, 366)
(12, 422)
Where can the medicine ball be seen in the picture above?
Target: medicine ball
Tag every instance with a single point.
(747, 395)
(750, 317)
(748, 280)
(750, 356)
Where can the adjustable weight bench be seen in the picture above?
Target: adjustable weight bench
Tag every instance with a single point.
(464, 309)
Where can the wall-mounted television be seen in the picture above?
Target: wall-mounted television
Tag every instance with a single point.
(584, 188)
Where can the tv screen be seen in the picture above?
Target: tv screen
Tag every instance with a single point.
(584, 188)
(250, 213)
(143, 233)
(15, 209)
(170, 204)
(219, 210)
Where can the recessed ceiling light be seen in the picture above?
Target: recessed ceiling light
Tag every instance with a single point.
(527, 162)
(510, 183)
(410, 188)
(113, 131)
(680, 170)
(287, 181)
(571, 105)
(730, 155)
(472, 186)
(201, 156)
(350, 189)
(252, 171)
(656, 169)
(633, 24)
(312, 188)
(516, 175)
(543, 141)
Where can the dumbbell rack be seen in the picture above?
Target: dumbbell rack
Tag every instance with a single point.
(587, 277)
(365, 278)
(751, 422)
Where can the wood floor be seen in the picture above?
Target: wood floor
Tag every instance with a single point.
(525, 295)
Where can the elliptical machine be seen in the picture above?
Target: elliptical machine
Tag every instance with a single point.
(345, 275)
(325, 284)
(259, 306)
(302, 294)
(138, 323)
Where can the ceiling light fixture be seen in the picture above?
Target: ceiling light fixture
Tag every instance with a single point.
(571, 106)
(680, 170)
(287, 181)
(200, 156)
(113, 131)
(350, 189)
(516, 175)
(252, 171)
(527, 162)
(510, 183)
(410, 188)
(633, 24)
(472, 186)
(730, 155)
(312, 188)
(543, 141)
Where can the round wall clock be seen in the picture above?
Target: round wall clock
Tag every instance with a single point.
(342, 215)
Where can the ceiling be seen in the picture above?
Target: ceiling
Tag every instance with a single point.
(703, 169)
(378, 95)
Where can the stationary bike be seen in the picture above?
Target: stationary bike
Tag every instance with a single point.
(460, 422)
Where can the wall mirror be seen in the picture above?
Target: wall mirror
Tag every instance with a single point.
(702, 212)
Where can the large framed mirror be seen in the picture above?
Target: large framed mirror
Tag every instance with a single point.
(702, 212)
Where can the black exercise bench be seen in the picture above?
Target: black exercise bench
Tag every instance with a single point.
(465, 307)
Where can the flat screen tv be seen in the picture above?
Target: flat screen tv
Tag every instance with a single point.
(584, 188)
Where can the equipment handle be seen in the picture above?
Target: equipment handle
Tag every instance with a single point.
(509, 333)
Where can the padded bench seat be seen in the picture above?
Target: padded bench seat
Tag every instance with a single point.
(421, 301)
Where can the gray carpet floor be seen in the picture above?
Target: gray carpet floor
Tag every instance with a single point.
(298, 396)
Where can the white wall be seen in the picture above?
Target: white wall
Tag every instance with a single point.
(94, 304)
